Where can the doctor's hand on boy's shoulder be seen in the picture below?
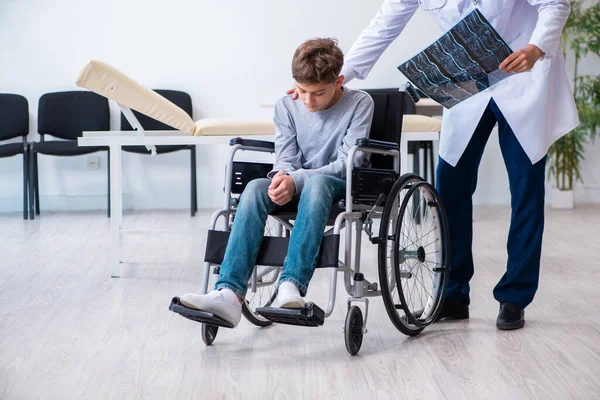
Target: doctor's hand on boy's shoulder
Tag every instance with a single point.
(293, 92)
(282, 188)
(521, 60)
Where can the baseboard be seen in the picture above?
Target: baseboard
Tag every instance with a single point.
(14, 203)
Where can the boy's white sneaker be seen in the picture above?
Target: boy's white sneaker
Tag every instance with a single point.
(223, 303)
(288, 296)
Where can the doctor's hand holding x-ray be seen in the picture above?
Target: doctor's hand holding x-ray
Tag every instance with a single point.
(532, 107)
(521, 60)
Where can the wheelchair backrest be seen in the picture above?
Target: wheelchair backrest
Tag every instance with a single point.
(387, 121)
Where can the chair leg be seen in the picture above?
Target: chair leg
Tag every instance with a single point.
(193, 189)
(108, 168)
(417, 161)
(425, 163)
(32, 188)
(195, 183)
(25, 180)
(417, 170)
(431, 162)
(37, 184)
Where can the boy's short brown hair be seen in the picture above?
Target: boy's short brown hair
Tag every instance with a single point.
(317, 60)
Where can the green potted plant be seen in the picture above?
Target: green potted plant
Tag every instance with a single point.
(580, 37)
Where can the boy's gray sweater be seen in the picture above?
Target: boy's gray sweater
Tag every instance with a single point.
(309, 143)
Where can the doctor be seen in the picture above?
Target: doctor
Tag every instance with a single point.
(533, 107)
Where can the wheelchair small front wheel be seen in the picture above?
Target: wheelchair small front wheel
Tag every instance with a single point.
(209, 333)
(353, 330)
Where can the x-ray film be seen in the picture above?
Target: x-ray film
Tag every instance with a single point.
(461, 63)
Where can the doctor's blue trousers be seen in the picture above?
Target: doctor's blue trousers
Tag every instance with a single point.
(456, 186)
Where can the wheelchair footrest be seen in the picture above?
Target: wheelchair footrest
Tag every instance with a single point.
(310, 315)
(197, 315)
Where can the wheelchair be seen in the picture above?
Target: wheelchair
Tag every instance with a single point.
(412, 241)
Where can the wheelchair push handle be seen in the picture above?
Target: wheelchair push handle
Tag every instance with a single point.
(410, 89)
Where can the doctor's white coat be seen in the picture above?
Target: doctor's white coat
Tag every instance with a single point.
(537, 104)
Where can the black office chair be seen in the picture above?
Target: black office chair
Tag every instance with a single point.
(14, 122)
(66, 115)
(184, 101)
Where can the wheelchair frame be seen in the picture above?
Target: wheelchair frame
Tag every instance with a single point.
(365, 289)
(361, 215)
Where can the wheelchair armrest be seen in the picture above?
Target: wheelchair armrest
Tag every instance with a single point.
(263, 144)
(376, 144)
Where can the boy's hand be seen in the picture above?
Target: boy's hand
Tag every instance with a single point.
(282, 188)
(295, 93)
(521, 60)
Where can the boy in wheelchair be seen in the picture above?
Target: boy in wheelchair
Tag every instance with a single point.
(312, 142)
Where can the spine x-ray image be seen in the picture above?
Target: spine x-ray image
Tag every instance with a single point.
(461, 63)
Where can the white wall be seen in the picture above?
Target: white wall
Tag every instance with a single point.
(230, 56)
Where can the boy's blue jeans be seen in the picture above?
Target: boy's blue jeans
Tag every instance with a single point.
(314, 205)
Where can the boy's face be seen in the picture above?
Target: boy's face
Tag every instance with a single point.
(319, 96)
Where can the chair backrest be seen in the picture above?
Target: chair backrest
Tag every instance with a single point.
(67, 114)
(180, 99)
(14, 116)
(389, 105)
(410, 107)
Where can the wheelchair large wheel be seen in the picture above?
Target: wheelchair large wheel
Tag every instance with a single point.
(413, 254)
(264, 291)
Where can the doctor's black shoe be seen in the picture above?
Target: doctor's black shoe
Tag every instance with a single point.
(510, 317)
(454, 310)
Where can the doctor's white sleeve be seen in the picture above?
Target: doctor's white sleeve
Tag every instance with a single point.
(552, 16)
(388, 23)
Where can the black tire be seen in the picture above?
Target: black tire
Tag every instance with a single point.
(248, 311)
(409, 198)
(209, 333)
(425, 196)
(353, 330)
(392, 306)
